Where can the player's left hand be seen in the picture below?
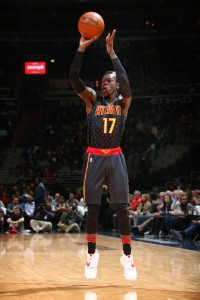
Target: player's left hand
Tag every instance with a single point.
(109, 41)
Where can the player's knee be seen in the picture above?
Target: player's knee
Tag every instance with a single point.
(92, 218)
(123, 219)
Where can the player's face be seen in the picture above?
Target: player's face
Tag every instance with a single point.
(109, 84)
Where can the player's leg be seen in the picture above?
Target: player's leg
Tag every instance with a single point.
(118, 188)
(91, 237)
(92, 186)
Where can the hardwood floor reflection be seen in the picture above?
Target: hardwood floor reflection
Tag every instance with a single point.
(50, 266)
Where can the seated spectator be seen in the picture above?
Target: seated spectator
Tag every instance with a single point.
(2, 216)
(189, 233)
(43, 219)
(156, 206)
(142, 209)
(145, 221)
(192, 231)
(55, 199)
(178, 217)
(136, 201)
(40, 192)
(158, 225)
(16, 221)
(28, 211)
(13, 204)
(22, 200)
(72, 200)
(82, 206)
(2, 205)
(196, 197)
(70, 220)
(60, 207)
(49, 201)
(5, 198)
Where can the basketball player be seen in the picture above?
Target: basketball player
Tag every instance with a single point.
(104, 161)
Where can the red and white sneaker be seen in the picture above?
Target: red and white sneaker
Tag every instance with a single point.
(130, 272)
(91, 265)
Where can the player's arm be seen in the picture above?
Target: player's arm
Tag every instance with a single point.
(86, 93)
(121, 75)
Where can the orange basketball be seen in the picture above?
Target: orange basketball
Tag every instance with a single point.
(91, 24)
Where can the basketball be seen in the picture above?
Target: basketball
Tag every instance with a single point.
(91, 24)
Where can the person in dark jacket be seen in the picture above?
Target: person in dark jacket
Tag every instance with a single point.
(40, 193)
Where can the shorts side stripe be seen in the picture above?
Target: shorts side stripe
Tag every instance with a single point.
(85, 174)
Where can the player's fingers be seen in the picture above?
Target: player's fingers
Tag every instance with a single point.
(113, 34)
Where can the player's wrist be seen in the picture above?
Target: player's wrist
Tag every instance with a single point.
(81, 49)
(113, 55)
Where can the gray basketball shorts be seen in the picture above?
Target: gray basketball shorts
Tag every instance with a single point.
(110, 170)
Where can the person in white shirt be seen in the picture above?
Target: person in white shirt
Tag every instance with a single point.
(28, 211)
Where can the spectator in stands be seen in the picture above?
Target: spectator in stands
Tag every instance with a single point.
(142, 209)
(162, 196)
(145, 221)
(48, 195)
(60, 207)
(13, 204)
(176, 194)
(156, 206)
(178, 217)
(2, 205)
(190, 233)
(40, 193)
(70, 220)
(72, 200)
(2, 216)
(56, 199)
(158, 225)
(5, 198)
(49, 201)
(29, 209)
(136, 201)
(22, 199)
(47, 173)
(43, 219)
(196, 197)
(16, 221)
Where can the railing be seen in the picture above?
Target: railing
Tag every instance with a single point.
(70, 179)
(67, 180)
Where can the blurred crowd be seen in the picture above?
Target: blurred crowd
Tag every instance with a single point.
(165, 215)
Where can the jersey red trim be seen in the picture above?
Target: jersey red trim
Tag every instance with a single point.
(104, 152)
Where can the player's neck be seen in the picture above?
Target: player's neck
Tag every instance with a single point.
(111, 98)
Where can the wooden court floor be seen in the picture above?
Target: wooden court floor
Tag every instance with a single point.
(50, 266)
